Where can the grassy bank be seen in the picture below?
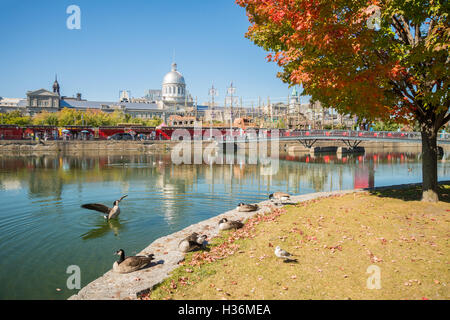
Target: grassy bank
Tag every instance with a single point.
(334, 240)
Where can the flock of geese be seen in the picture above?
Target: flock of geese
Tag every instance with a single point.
(191, 243)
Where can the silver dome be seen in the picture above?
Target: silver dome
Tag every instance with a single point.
(173, 77)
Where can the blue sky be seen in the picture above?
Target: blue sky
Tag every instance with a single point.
(129, 45)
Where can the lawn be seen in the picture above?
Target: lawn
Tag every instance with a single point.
(337, 241)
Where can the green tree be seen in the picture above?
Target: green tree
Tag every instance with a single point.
(15, 118)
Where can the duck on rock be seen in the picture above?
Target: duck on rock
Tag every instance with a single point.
(242, 207)
(192, 242)
(131, 264)
(224, 224)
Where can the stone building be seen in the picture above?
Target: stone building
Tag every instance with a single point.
(174, 93)
(42, 100)
(173, 99)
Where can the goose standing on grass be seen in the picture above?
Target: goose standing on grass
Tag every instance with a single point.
(282, 254)
(192, 242)
(242, 207)
(224, 224)
(110, 213)
(280, 197)
(131, 264)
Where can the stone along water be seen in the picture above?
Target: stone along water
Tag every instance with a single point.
(43, 230)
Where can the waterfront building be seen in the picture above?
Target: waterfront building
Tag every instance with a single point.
(124, 96)
(173, 99)
(181, 121)
(153, 95)
(174, 93)
(43, 100)
(12, 104)
(56, 88)
(173, 87)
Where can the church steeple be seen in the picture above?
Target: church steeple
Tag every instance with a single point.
(56, 85)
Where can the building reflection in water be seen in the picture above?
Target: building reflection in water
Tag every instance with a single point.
(47, 175)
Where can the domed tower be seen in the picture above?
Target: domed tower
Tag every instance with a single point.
(56, 86)
(174, 87)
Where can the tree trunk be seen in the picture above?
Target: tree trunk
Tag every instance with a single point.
(429, 164)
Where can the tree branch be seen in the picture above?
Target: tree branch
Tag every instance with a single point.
(405, 27)
(445, 120)
(417, 35)
(402, 91)
(400, 31)
(430, 28)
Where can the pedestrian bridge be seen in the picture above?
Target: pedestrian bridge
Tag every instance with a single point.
(351, 139)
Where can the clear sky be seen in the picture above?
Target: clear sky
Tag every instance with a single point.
(130, 45)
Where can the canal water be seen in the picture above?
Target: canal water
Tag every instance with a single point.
(43, 230)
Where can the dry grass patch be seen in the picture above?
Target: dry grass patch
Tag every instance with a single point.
(334, 240)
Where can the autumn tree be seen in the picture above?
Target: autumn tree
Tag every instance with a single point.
(45, 118)
(378, 59)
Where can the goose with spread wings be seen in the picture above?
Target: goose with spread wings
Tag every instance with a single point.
(109, 213)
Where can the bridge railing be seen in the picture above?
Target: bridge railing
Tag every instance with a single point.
(361, 134)
(333, 134)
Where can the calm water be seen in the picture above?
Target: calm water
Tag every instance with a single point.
(43, 230)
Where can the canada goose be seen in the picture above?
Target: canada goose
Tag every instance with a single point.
(192, 242)
(224, 224)
(131, 264)
(286, 256)
(110, 213)
(280, 197)
(242, 207)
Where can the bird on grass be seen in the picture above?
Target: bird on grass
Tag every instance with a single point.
(242, 207)
(110, 213)
(224, 224)
(280, 197)
(192, 242)
(282, 254)
(131, 264)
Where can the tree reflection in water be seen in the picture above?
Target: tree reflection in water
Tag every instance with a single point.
(46, 175)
